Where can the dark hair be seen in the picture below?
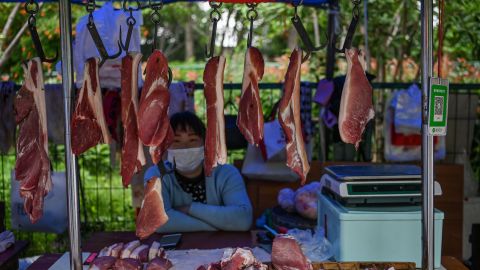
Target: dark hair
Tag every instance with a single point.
(181, 121)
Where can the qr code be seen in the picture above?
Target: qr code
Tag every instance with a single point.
(438, 109)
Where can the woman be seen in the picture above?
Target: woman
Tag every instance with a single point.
(193, 201)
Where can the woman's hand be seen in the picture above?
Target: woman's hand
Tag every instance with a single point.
(183, 208)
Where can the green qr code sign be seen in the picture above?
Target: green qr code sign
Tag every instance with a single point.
(438, 107)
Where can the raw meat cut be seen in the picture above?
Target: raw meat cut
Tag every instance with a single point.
(287, 254)
(128, 264)
(154, 250)
(140, 253)
(152, 214)
(89, 127)
(306, 200)
(113, 250)
(133, 157)
(154, 128)
(32, 167)
(356, 108)
(289, 118)
(250, 114)
(239, 258)
(103, 263)
(129, 248)
(159, 264)
(215, 144)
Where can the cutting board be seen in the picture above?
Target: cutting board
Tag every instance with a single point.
(181, 259)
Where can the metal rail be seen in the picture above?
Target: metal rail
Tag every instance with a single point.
(71, 177)
(427, 140)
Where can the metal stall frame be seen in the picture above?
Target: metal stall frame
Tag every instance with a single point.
(426, 16)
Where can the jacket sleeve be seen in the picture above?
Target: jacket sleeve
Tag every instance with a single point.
(177, 221)
(236, 213)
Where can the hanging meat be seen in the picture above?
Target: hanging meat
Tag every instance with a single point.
(250, 114)
(288, 255)
(89, 127)
(356, 108)
(154, 128)
(152, 214)
(289, 118)
(215, 145)
(32, 167)
(133, 157)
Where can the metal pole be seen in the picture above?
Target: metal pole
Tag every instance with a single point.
(72, 184)
(427, 140)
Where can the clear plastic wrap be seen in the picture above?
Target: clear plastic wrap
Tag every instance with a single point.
(314, 245)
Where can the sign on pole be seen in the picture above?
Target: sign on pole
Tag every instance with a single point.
(438, 107)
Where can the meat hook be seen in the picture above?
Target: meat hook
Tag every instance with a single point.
(214, 18)
(131, 23)
(90, 7)
(347, 44)
(32, 8)
(252, 15)
(302, 33)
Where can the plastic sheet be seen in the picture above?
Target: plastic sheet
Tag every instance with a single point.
(314, 244)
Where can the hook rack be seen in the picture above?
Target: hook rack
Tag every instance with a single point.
(130, 22)
(90, 7)
(155, 17)
(32, 8)
(347, 44)
(252, 15)
(215, 16)
(302, 32)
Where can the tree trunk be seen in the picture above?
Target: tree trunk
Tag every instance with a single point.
(189, 40)
(316, 30)
(292, 42)
(8, 25)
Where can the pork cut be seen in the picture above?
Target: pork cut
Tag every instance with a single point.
(288, 255)
(154, 128)
(215, 144)
(140, 253)
(290, 119)
(128, 264)
(155, 248)
(250, 113)
(32, 166)
(133, 157)
(88, 126)
(129, 248)
(102, 263)
(356, 108)
(113, 250)
(159, 263)
(152, 213)
(239, 259)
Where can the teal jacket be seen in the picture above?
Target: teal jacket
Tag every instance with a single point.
(228, 207)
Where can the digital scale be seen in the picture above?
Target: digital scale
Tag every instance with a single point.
(375, 184)
(372, 213)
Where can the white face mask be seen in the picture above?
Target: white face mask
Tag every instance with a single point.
(186, 160)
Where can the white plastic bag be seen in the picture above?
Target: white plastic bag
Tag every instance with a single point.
(108, 22)
(286, 199)
(314, 244)
(306, 200)
(55, 217)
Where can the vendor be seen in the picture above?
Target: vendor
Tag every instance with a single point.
(193, 201)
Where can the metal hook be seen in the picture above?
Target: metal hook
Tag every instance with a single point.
(347, 44)
(131, 23)
(252, 15)
(214, 17)
(99, 43)
(34, 33)
(302, 32)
